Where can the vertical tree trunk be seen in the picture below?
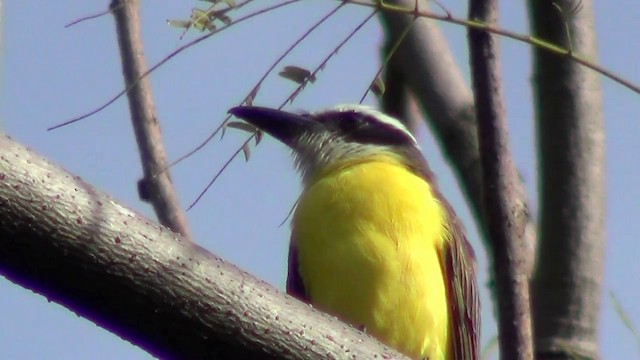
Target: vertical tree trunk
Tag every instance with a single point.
(566, 288)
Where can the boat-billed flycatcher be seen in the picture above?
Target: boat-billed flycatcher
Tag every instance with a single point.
(373, 241)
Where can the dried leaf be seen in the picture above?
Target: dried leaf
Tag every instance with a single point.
(224, 18)
(182, 24)
(252, 95)
(210, 26)
(241, 125)
(258, 136)
(224, 130)
(297, 74)
(377, 87)
(247, 152)
(230, 3)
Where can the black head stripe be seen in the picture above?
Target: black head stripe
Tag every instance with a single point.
(364, 128)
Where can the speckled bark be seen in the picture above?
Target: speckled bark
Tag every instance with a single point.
(78, 247)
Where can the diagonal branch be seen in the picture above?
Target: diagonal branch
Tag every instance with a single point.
(537, 42)
(65, 240)
(505, 218)
(438, 86)
(155, 186)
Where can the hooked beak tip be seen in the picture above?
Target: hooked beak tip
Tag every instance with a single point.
(238, 111)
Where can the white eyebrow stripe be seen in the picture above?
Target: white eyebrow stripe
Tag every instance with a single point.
(376, 114)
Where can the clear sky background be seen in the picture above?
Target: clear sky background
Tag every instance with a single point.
(51, 74)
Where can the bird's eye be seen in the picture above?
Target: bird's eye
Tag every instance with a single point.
(368, 130)
(353, 123)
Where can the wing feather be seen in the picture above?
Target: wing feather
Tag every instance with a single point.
(458, 261)
(295, 286)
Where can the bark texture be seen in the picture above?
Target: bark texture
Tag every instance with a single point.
(505, 218)
(566, 288)
(155, 187)
(73, 244)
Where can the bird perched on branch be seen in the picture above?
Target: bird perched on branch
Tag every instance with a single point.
(373, 241)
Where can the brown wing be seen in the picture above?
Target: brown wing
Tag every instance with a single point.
(458, 261)
(295, 287)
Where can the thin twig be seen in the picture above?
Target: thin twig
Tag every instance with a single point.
(88, 17)
(387, 58)
(478, 25)
(290, 98)
(169, 57)
(255, 89)
(322, 65)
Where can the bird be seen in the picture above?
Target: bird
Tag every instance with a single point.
(373, 241)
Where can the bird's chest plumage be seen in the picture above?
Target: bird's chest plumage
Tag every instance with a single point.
(368, 241)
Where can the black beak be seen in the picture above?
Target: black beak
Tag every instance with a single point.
(284, 126)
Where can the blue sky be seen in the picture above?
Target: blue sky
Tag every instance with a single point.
(51, 74)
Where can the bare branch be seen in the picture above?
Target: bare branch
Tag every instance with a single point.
(505, 217)
(78, 247)
(397, 100)
(566, 292)
(88, 17)
(248, 99)
(170, 56)
(289, 99)
(156, 186)
(387, 6)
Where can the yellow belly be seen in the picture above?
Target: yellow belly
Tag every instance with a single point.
(368, 238)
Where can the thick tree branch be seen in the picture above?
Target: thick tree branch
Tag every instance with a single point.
(566, 292)
(397, 99)
(505, 218)
(78, 247)
(437, 84)
(155, 186)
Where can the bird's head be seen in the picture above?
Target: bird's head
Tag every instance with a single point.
(337, 137)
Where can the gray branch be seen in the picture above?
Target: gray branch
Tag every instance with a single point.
(503, 214)
(75, 245)
(566, 291)
(155, 186)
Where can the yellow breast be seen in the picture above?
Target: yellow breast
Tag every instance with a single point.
(368, 237)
